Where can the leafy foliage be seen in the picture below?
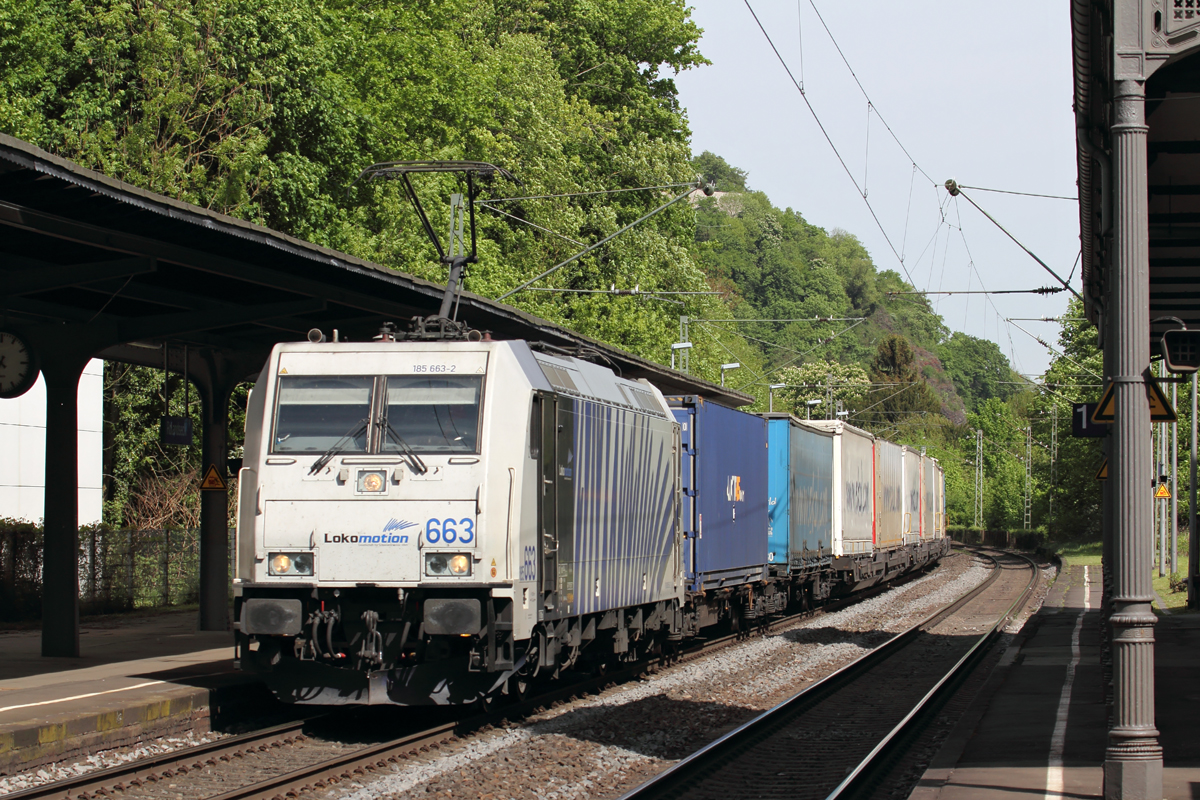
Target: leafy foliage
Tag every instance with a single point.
(269, 109)
(978, 368)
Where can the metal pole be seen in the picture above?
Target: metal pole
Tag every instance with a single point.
(1193, 539)
(60, 539)
(1133, 757)
(1028, 476)
(215, 386)
(979, 482)
(1174, 483)
(1160, 514)
(1053, 462)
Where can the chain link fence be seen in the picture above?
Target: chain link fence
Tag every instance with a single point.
(119, 569)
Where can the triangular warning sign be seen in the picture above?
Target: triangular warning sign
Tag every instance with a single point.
(283, 371)
(1163, 492)
(212, 482)
(493, 562)
(1106, 409)
(1160, 407)
(1102, 473)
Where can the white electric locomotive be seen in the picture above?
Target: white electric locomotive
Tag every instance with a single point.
(443, 520)
(440, 521)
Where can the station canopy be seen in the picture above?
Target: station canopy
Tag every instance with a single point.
(141, 269)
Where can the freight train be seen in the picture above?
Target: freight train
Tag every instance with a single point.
(446, 522)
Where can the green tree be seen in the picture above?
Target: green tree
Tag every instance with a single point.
(720, 172)
(909, 395)
(978, 368)
(1074, 376)
(847, 385)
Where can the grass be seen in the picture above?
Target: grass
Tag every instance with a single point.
(1082, 554)
(1175, 601)
(1089, 554)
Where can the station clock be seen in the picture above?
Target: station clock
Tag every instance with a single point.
(18, 366)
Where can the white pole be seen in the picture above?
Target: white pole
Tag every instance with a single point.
(1160, 468)
(1193, 540)
(1175, 482)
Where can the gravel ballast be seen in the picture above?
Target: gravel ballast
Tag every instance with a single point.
(604, 745)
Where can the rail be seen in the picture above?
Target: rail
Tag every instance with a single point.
(677, 780)
(371, 758)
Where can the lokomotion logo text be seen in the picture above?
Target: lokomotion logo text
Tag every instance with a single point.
(391, 534)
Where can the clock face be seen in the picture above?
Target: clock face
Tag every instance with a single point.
(17, 369)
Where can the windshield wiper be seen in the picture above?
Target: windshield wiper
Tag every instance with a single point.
(359, 428)
(414, 461)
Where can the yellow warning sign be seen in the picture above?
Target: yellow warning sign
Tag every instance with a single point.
(1163, 492)
(1102, 473)
(212, 482)
(1105, 409)
(283, 371)
(493, 562)
(1160, 407)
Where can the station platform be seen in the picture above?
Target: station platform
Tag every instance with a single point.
(1038, 727)
(137, 676)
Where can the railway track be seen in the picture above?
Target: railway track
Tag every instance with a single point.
(840, 737)
(286, 761)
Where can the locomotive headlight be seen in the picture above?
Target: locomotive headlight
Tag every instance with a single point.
(372, 481)
(290, 563)
(447, 564)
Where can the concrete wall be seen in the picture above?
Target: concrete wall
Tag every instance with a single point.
(23, 443)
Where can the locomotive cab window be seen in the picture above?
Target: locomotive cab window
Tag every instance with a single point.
(316, 412)
(433, 414)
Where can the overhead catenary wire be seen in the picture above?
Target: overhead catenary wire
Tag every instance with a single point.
(971, 264)
(760, 341)
(846, 61)
(793, 319)
(1042, 290)
(956, 190)
(1046, 345)
(614, 291)
(603, 241)
(1023, 194)
(722, 345)
(829, 140)
(589, 194)
(819, 345)
(575, 242)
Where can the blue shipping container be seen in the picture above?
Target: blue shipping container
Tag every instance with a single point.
(724, 478)
(779, 489)
(800, 502)
(811, 541)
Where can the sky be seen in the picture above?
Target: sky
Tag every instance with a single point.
(977, 92)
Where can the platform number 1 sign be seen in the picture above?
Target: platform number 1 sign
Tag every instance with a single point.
(1081, 422)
